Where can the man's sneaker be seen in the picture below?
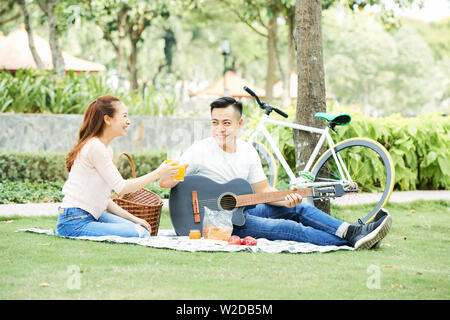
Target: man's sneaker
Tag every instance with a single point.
(366, 235)
(380, 214)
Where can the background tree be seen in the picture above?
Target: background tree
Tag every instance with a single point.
(26, 20)
(48, 7)
(390, 71)
(120, 19)
(311, 74)
(310, 66)
(375, 66)
(261, 17)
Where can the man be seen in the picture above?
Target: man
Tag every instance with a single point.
(223, 157)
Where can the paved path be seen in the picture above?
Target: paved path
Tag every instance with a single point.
(403, 196)
(51, 209)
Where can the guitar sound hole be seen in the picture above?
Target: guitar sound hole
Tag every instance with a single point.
(228, 202)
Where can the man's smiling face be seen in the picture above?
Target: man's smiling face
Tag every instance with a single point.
(225, 125)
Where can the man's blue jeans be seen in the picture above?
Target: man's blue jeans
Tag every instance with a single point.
(75, 222)
(303, 223)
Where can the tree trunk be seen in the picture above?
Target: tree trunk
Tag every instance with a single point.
(271, 64)
(122, 33)
(26, 20)
(48, 6)
(57, 57)
(311, 77)
(134, 31)
(284, 91)
(132, 66)
(291, 58)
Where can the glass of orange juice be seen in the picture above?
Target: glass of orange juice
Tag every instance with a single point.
(172, 158)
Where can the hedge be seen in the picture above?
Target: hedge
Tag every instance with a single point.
(39, 177)
(419, 146)
(26, 192)
(47, 166)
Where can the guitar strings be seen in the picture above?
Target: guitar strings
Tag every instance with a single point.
(215, 200)
(224, 202)
(212, 201)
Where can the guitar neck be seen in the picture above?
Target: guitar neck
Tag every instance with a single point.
(266, 197)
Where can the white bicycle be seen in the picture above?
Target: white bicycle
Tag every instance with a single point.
(348, 163)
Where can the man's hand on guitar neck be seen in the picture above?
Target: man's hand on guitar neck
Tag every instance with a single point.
(291, 200)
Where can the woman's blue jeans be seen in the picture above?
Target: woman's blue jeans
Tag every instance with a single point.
(75, 222)
(303, 223)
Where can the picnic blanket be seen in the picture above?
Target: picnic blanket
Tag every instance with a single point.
(168, 239)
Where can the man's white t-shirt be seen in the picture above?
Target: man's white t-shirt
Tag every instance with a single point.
(207, 159)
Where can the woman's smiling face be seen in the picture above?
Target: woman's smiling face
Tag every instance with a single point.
(120, 121)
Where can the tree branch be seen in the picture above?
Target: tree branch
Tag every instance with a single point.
(107, 36)
(16, 16)
(43, 6)
(259, 16)
(236, 12)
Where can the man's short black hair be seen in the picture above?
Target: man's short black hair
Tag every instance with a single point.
(224, 102)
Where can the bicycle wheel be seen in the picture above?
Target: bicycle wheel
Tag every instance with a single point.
(370, 167)
(268, 162)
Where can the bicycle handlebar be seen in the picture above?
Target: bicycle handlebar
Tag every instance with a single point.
(264, 105)
(282, 113)
(250, 91)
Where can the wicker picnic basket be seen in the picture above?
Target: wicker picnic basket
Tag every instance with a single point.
(142, 203)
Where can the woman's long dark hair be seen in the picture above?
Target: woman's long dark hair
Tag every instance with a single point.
(92, 124)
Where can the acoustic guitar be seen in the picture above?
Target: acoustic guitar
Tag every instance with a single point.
(189, 198)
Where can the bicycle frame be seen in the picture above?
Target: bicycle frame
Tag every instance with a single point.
(324, 135)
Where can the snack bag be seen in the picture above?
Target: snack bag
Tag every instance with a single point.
(217, 225)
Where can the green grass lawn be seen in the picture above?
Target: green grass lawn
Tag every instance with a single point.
(412, 263)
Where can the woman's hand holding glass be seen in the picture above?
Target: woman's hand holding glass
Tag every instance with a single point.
(169, 169)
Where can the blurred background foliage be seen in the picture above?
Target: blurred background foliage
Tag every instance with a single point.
(419, 146)
(390, 73)
(371, 63)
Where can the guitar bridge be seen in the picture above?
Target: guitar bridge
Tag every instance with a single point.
(195, 207)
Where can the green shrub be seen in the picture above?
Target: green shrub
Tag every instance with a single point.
(39, 177)
(419, 146)
(24, 192)
(50, 166)
(36, 91)
(35, 167)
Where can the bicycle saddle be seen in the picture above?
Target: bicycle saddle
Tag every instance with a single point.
(340, 119)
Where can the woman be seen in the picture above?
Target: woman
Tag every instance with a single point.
(93, 175)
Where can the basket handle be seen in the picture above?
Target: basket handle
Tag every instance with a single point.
(131, 162)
